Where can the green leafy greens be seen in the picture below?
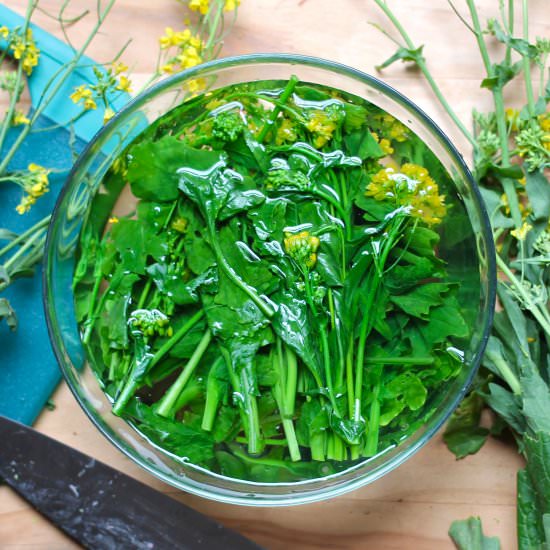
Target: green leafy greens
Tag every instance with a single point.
(276, 306)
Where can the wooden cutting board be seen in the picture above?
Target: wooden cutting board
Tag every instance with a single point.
(413, 506)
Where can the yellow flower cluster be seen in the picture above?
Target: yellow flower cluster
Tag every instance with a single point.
(286, 132)
(521, 233)
(544, 123)
(35, 183)
(322, 124)
(23, 49)
(412, 188)
(385, 144)
(202, 6)
(199, 5)
(302, 248)
(19, 118)
(189, 50)
(111, 80)
(392, 128)
(231, 5)
(84, 94)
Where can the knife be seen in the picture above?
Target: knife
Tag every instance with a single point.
(98, 506)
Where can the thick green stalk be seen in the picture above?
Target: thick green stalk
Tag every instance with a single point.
(287, 92)
(132, 384)
(166, 404)
(285, 396)
(213, 398)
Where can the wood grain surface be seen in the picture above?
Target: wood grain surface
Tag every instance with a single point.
(413, 506)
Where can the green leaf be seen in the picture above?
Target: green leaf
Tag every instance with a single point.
(403, 54)
(536, 402)
(467, 534)
(518, 44)
(538, 192)
(507, 406)
(537, 453)
(293, 323)
(409, 388)
(186, 443)
(7, 313)
(135, 242)
(501, 73)
(363, 145)
(153, 167)
(445, 321)
(529, 525)
(421, 299)
(463, 434)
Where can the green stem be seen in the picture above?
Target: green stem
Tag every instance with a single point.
(166, 404)
(371, 445)
(43, 222)
(507, 184)
(60, 82)
(287, 92)
(527, 62)
(505, 371)
(264, 307)
(426, 72)
(178, 335)
(400, 360)
(285, 396)
(213, 397)
(19, 74)
(520, 289)
(291, 381)
(30, 242)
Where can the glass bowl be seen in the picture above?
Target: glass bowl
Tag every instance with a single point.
(75, 201)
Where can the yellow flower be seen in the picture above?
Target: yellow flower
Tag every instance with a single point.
(196, 85)
(544, 122)
(81, 92)
(108, 115)
(196, 42)
(171, 38)
(124, 84)
(385, 144)
(90, 104)
(512, 118)
(19, 118)
(25, 205)
(411, 188)
(167, 68)
(199, 5)
(521, 233)
(286, 132)
(322, 124)
(33, 167)
(180, 225)
(113, 219)
(189, 57)
(4, 32)
(119, 67)
(230, 5)
(302, 247)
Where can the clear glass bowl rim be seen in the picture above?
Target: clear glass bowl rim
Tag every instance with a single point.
(373, 82)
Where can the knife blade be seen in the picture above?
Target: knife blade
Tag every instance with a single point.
(98, 506)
